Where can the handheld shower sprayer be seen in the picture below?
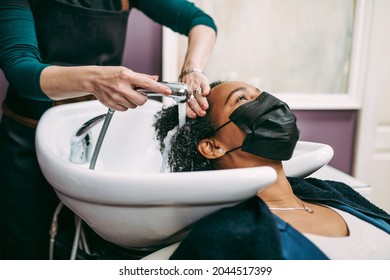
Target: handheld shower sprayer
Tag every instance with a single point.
(180, 91)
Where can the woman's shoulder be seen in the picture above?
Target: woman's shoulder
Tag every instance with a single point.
(314, 187)
(326, 191)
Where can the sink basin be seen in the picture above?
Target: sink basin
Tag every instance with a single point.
(125, 199)
(307, 158)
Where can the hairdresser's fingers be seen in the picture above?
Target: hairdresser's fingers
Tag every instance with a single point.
(194, 109)
(205, 89)
(133, 98)
(198, 83)
(147, 82)
(121, 98)
(130, 99)
(190, 113)
(193, 104)
(120, 105)
(199, 104)
(196, 101)
(114, 86)
(153, 77)
(201, 99)
(202, 91)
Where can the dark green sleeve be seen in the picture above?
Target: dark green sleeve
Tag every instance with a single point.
(20, 3)
(19, 54)
(179, 15)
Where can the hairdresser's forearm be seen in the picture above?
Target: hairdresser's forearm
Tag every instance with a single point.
(59, 82)
(112, 85)
(201, 41)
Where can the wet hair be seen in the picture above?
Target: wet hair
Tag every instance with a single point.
(183, 154)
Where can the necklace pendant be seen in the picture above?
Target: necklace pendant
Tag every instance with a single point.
(308, 210)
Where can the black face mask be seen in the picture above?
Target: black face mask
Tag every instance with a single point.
(270, 127)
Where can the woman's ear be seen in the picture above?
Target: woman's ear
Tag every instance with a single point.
(209, 149)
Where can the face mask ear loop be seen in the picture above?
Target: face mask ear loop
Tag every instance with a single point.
(232, 150)
(219, 128)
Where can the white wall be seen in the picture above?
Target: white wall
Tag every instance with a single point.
(282, 46)
(372, 164)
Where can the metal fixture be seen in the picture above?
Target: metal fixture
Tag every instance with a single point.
(82, 150)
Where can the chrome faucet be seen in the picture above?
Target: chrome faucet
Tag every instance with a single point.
(81, 143)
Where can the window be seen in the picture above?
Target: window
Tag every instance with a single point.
(310, 53)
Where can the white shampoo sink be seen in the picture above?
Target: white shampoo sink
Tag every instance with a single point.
(125, 199)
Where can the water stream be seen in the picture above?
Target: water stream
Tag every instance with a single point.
(167, 141)
(182, 106)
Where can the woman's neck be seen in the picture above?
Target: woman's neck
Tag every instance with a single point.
(280, 193)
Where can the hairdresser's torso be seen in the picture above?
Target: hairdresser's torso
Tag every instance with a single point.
(74, 32)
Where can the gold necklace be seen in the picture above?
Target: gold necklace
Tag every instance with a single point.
(304, 207)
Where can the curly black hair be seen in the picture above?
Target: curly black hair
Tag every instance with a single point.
(183, 154)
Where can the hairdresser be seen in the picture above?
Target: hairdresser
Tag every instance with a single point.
(61, 51)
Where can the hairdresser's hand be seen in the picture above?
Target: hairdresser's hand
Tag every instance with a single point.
(199, 84)
(115, 88)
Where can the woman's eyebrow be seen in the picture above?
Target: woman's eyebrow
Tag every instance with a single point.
(233, 92)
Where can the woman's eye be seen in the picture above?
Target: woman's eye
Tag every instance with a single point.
(241, 98)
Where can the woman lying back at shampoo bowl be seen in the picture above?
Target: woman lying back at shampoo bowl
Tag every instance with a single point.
(291, 219)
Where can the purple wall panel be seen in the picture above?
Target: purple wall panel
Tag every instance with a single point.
(143, 45)
(335, 128)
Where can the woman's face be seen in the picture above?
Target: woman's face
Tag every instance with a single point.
(225, 98)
